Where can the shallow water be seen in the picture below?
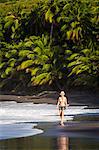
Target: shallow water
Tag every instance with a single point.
(17, 132)
(40, 142)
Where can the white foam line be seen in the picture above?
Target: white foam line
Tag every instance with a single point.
(28, 112)
(13, 115)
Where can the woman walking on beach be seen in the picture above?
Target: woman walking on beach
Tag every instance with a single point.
(62, 104)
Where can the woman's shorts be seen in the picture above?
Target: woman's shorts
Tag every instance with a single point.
(62, 107)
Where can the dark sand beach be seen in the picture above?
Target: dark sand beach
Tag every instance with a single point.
(75, 97)
(55, 137)
(80, 134)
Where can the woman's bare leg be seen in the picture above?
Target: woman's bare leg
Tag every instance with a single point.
(60, 114)
(62, 117)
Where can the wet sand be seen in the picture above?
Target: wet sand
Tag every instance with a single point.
(75, 135)
(69, 126)
(56, 137)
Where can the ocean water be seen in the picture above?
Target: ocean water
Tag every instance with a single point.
(19, 119)
(28, 126)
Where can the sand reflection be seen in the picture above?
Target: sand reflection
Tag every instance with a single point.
(63, 143)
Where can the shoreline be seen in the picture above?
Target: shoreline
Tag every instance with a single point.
(25, 99)
(53, 129)
(69, 126)
(50, 97)
(53, 138)
(82, 125)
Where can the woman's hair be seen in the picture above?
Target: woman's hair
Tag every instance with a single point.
(62, 93)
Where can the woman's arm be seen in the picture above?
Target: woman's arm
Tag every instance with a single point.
(66, 102)
(58, 102)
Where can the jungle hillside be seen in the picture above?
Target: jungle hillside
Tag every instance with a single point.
(49, 43)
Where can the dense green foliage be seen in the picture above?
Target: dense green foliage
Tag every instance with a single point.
(49, 42)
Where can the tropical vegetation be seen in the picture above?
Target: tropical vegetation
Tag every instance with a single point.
(49, 42)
